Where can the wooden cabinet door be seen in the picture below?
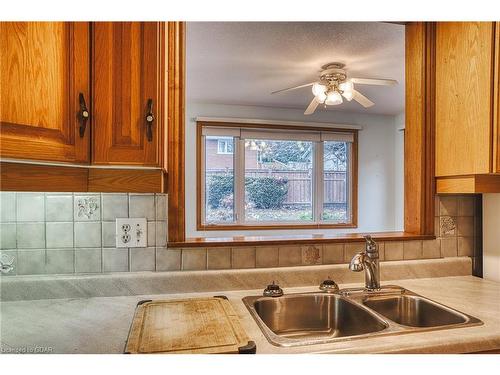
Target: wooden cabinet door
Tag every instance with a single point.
(126, 75)
(44, 66)
(464, 85)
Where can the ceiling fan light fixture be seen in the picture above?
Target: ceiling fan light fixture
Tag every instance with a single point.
(333, 98)
(319, 92)
(347, 88)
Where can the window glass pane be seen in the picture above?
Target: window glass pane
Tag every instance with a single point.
(336, 181)
(219, 180)
(278, 180)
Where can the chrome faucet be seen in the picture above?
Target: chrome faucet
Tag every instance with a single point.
(368, 261)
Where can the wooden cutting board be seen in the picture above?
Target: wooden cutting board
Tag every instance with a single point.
(195, 325)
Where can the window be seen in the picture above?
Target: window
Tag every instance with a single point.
(272, 177)
(225, 145)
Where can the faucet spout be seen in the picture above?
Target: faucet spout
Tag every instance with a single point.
(368, 260)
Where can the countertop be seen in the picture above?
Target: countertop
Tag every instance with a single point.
(101, 324)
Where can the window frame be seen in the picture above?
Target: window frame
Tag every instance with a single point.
(239, 171)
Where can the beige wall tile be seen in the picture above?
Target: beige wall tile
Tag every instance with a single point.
(333, 253)
(394, 250)
(431, 249)
(290, 256)
(465, 246)
(381, 250)
(168, 259)
(194, 259)
(266, 257)
(218, 258)
(466, 206)
(312, 254)
(351, 249)
(448, 205)
(412, 250)
(465, 226)
(243, 257)
(448, 247)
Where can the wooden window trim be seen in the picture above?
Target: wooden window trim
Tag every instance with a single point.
(200, 226)
(419, 139)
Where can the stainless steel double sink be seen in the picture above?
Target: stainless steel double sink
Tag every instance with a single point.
(319, 317)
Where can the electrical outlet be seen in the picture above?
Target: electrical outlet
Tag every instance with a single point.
(132, 232)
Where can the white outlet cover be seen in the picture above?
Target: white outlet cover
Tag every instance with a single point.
(131, 232)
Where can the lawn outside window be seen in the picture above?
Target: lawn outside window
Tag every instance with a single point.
(274, 177)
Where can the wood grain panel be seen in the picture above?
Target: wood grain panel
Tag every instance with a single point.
(496, 101)
(176, 104)
(28, 177)
(126, 73)
(419, 129)
(464, 61)
(43, 68)
(474, 184)
(126, 180)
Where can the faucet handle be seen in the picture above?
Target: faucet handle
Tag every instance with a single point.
(371, 245)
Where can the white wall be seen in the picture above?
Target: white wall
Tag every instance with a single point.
(377, 171)
(491, 237)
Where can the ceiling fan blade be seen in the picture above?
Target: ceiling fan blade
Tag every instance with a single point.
(374, 81)
(312, 106)
(293, 88)
(361, 99)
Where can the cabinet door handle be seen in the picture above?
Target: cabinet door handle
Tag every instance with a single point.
(83, 115)
(150, 117)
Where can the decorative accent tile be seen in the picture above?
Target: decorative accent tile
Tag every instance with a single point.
(465, 246)
(266, 257)
(142, 206)
(30, 261)
(161, 233)
(87, 234)
(312, 254)
(88, 260)
(31, 235)
(218, 258)
(412, 250)
(168, 259)
(161, 207)
(30, 206)
(87, 207)
(109, 234)
(194, 259)
(7, 206)
(115, 260)
(7, 236)
(394, 250)
(449, 247)
(58, 207)
(9, 257)
(114, 206)
(142, 259)
(290, 256)
(243, 257)
(60, 261)
(59, 235)
(431, 249)
(447, 226)
(333, 253)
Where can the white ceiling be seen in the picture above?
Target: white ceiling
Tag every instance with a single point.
(243, 62)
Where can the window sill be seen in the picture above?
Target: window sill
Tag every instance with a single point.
(202, 227)
(295, 240)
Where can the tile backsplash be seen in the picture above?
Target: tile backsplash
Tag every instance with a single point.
(64, 233)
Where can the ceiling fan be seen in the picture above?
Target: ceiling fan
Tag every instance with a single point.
(333, 84)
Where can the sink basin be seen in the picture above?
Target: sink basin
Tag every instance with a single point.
(414, 311)
(299, 319)
(318, 317)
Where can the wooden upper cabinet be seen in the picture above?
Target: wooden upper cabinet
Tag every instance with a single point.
(465, 54)
(126, 76)
(44, 66)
